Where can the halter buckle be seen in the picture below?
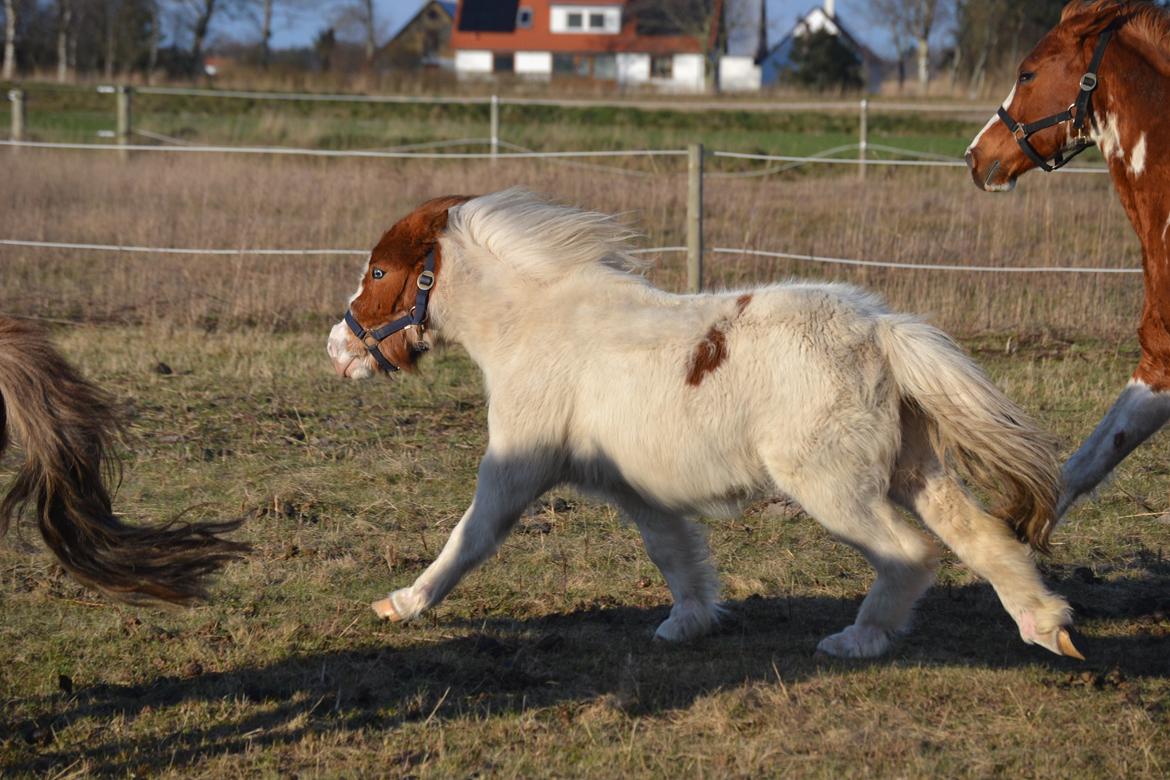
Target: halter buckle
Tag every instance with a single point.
(426, 280)
(1089, 82)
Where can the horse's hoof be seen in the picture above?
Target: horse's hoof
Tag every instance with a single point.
(1065, 644)
(856, 642)
(385, 609)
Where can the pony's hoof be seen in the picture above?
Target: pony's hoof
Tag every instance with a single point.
(386, 610)
(1060, 642)
(856, 642)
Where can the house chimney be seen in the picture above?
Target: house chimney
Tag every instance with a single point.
(831, 8)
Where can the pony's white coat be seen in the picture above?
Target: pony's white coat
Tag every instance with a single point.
(590, 374)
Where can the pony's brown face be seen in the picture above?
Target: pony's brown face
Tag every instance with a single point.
(1047, 84)
(388, 291)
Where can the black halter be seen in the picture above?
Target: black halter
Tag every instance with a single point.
(1080, 113)
(418, 314)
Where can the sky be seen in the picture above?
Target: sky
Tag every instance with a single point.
(301, 28)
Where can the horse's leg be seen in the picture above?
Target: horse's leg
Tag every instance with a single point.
(1136, 415)
(503, 490)
(983, 542)
(678, 547)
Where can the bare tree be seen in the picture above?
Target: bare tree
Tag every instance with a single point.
(9, 70)
(64, 30)
(914, 20)
(265, 32)
(360, 15)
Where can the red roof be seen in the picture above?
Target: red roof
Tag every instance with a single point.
(539, 36)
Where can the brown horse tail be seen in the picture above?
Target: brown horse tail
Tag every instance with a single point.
(67, 428)
(975, 426)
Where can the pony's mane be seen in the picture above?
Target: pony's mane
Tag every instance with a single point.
(541, 238)
(1147, 21)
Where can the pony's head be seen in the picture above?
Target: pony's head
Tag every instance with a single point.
(384, 327)
(1044, 120)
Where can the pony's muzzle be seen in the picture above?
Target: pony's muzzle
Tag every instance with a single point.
(348, 362)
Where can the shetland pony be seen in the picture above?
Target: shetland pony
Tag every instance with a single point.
(675, 406)
(1111, 60)
(66, 427)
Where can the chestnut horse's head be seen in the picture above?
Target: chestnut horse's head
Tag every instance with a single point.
(403, 268)
(1046, 119)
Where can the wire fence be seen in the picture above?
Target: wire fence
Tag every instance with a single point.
(500, 150)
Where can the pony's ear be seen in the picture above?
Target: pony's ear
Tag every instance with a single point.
(434, 215)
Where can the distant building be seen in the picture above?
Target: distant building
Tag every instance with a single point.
(598, 39)
(778, 59)
(425, 40)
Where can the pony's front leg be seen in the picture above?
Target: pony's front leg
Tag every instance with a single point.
(505, 487)
(1136, 415)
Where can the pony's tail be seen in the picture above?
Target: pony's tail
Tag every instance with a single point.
(67, 428)
(973, 425)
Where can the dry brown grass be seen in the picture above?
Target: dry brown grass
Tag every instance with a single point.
(210, 201)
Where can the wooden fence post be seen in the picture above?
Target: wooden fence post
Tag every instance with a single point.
(695, 218)
(125, 96)
(16, 97)
(495, 126)
(863, 149)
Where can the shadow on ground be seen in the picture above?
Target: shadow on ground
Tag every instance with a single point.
(597, 653)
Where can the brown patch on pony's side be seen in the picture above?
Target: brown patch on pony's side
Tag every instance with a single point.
(710, 353)
(400, 255)
(67, 428)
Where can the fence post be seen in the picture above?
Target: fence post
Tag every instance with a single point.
(495, 126)
(16, 97)
(695, 218)
(863, 149)
(125, 98)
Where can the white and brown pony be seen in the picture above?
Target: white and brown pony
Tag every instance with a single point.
(676, 406)
(1111, 61)
(66, 428)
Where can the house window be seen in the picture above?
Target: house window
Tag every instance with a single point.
(524, 18)
(662, 66)
(605, 67)
(575, 21)
(504, 63)
(596, 21)
(565, 64)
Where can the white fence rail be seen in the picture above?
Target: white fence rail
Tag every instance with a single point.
(696, 253)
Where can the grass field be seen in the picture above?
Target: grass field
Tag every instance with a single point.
(541, 663)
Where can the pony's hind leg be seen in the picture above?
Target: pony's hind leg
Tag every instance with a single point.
(678, 547)
(904, 559)
(985, 543)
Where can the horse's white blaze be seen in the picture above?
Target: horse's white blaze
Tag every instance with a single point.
(676, 406)
(994, 118)
(1137, 159)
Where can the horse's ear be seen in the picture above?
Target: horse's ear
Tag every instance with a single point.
(1093, 16)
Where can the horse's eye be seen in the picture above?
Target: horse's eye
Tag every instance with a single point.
(1026, 77)
(378, 273)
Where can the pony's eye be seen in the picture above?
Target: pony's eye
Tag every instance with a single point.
(378, 273)
(1026, 77)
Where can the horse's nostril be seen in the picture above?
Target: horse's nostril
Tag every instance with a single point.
(970, 158)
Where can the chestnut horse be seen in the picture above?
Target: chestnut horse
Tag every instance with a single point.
(676, 406)
(1111, 60)
(66, 428)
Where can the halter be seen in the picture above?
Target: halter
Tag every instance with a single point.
(1080, 113)
(417, 316)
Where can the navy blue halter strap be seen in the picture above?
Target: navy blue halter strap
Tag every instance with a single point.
(373, 338)
(1080, 113)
